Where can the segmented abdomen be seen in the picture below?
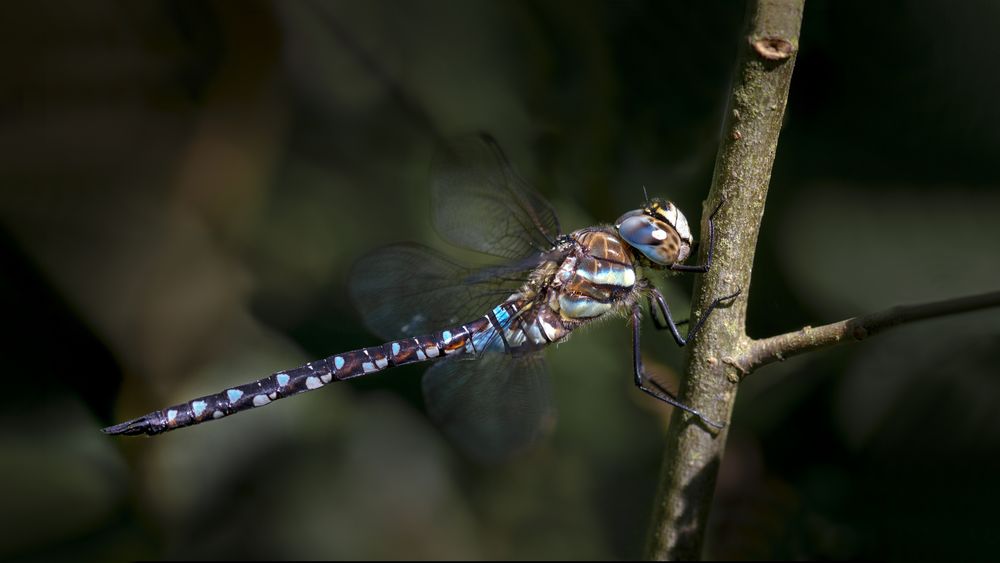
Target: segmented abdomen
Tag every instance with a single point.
(485, 334)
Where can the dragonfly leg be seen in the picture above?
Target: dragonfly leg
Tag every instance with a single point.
(702, 268)
(661, 324)
(649, 385)
(668, 320)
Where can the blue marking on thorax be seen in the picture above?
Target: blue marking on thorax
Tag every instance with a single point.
(580, 307)
(282, 379)
(611, 274)
(234, 395)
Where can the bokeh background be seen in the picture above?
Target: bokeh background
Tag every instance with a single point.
(185, 185)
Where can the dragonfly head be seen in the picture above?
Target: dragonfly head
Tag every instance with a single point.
(659, 231)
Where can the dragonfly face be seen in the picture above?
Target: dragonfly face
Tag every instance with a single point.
(659, 231)
(426, 307)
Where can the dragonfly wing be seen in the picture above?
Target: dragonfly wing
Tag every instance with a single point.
(492, 407)
(481, 203)
(408, 289)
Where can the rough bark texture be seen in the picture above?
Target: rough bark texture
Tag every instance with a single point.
(742, 172)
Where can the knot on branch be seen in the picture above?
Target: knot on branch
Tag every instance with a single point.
(773, 48)
(859, 332)
(741, 370)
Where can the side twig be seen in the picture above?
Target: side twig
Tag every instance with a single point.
(767, 350)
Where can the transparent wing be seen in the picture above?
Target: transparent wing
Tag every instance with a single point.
(497, 404)
(492, 407)
(480, 203)
(408, 289)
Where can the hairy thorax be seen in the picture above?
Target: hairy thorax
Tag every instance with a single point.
(595, 276)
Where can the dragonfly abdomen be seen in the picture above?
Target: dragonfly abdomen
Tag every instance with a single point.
(314, 375)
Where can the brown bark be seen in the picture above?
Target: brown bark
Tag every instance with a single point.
(742, 173)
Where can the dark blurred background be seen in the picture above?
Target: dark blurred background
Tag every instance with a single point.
(185, 185)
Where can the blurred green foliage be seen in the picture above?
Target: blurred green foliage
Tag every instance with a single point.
(184, 187)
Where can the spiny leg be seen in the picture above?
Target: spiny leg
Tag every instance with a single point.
(654, 389)
(661, 325)
(702, 268)
(668, 323)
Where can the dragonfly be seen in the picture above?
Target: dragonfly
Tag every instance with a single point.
(485, 327)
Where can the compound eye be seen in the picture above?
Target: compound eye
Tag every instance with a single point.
(654, 238)
(639, 229)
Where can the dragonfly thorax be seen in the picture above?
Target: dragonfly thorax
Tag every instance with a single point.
(592, 278)
(659, 231)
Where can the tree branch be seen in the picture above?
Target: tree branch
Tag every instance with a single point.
(742, 173)
(722, 353)
(775, 348)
